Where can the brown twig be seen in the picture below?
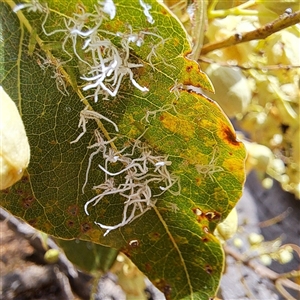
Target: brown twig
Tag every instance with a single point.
(199, 20)
(284, 21)
(260, 67)
(276, 219)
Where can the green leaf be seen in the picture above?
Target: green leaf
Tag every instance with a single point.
(96, 257)
(172, 242)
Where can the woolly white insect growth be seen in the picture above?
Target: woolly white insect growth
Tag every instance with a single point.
(132, 37)
(211, 168)
(101, 145)
(158, 56)
(109, 67)
(146, 8)
(33, 5)
(60, 82)
(137, 179)
(106, 63)
(75, 27)
(138, 39)
(154, 112)
(109, 8)
(45, 63)
(173, 207)
(86, 115)
(176, 89)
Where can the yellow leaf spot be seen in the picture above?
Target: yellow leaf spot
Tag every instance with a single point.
(193, 156)
(176, 125)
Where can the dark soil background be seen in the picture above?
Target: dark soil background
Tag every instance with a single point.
(25, 275)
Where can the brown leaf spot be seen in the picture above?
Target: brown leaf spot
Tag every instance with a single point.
(116, 25)
(154, 236)
(208, 269)
(6, 191)
(229, 135)
(167, 290)
(186, 53)
(70, 223)
(164, 12)
(25, 178)
(205, 229)
(164, 287)
(212, 215)
(20, 192)
(85, 227)
(208, 215)
(197, 211)
(73, 210)
(161, 117)
(193, 76)
(27, 202)
(32, 222)
(134, 244)
(189, 69)
(205, 239)
(199, 214)
(126, 251)
(148, 267)
(198, 181)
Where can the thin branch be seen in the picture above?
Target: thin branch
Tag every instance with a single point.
(284, 21)
(242, 9)
(199, 22)
(279, 285)
(276, 219)
(232, 64)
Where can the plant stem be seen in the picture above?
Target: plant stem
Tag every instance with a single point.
(200, 18)
(284, 21)
(237, 11)
(259, 67)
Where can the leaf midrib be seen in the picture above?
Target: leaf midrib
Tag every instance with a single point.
(177, 249)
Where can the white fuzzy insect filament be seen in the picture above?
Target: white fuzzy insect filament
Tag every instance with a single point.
(137, 179)
(211, 168)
